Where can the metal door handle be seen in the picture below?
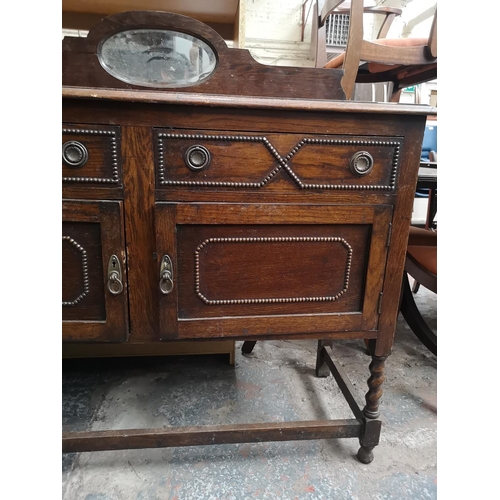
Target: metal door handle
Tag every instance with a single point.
(115, 285)
(166, 275)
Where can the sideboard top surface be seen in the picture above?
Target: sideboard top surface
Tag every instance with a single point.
(241, 101)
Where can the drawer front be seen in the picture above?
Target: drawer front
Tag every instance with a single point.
(282, 162)
(91, 155)
(94, 303)
(280, 269)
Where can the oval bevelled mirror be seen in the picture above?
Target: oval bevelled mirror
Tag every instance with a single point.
(157, 58)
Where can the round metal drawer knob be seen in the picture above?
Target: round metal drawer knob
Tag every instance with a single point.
(361, 163)
(74, 154)
(197, 157)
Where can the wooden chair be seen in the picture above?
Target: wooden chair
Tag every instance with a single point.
(421, 265)
(324, 12)
(402, 61)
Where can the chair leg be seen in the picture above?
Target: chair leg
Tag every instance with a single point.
(248, 346)
(414, 319)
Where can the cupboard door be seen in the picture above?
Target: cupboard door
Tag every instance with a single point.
(234, 270)
(94, 282)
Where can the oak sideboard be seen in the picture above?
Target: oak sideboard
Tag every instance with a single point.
(208, 197)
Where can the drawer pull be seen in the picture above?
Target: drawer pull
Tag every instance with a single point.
(115, 285)
(74, 154)
(361, 163)
(197, 157)
(166, 275)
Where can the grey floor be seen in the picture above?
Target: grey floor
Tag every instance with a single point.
(275, 383)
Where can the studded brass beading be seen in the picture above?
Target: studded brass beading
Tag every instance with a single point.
(85, 272)
(282, 161)
(279, 300)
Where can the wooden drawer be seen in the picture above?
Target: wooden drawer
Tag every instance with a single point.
(94, 307)
(279, 162)
(249, 270)
(91, 155)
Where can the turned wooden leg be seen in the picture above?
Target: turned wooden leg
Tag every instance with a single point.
(374, 387)
(322, 369)
(373, 425)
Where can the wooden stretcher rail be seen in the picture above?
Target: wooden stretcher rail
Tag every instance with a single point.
(206, 435)
(343, 382)
(365, 426)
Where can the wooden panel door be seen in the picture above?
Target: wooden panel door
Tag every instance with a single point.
(234, 270)
(94, 283)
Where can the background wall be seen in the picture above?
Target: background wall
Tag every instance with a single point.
(278, 32)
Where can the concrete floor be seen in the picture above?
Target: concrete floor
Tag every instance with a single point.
(275, 383)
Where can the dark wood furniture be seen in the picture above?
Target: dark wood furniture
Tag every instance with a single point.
(252, 203)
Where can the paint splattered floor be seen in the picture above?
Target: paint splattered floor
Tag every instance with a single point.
(275, 383)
